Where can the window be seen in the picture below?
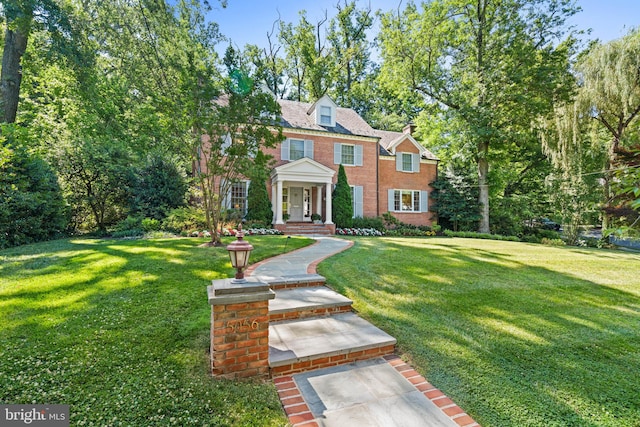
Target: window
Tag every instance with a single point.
(239, 196)
(347, 154)
(325, 115)
(407, 201)
(407, 162)
(296, 149)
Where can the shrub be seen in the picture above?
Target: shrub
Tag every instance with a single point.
(150, 224)
(342, 201)
(258, 203)
(185, 220)
(376, 223)
(474, 235)
(31, 204)
(552, 242)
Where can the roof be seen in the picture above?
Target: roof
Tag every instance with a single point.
(348, 122)
(389, 139)
(296, 115)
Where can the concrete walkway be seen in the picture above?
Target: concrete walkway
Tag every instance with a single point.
(301, 261)
(379, 392)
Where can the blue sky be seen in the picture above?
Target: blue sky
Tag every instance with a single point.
(248, 21)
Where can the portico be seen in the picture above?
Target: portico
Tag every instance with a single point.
(298, 190)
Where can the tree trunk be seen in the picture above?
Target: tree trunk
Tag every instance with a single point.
(483, 184)
(15, 44)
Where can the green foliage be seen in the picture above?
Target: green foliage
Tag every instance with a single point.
(158, 187)
(456, 201)
(495, 67)
(258, 202)
(95, 175)
(185, 219)
(31, 203)
(476, 235)
(377, 223)
(342, 203)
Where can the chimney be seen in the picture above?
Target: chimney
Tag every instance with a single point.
(409, 128)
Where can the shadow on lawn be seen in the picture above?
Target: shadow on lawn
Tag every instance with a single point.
(513, 344)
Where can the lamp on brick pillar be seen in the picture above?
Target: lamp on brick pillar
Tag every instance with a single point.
(239, 252)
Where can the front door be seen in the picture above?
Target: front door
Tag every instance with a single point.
(295, 204)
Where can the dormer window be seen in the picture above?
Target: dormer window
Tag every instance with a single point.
(325, 115)
(323, 111)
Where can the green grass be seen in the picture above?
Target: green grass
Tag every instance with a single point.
(517, 334)
(119, 330)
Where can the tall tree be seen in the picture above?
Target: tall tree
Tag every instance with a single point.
(497, 65)
(347, 37)
(609, 77)
(19, 23)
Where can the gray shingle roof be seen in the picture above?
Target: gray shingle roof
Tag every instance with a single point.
(348, 122)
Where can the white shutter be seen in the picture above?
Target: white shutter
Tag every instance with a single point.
(337, 153)
(398, 161)
(415, 158)
(424, 201)
(358, 202)
(308, 148)
(358, 155)
(390, 198)
(284, 151)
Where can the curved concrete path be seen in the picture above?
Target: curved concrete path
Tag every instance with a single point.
(379, 392)
(301, 261)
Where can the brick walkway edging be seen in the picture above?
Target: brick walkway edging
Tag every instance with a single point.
(301, 416)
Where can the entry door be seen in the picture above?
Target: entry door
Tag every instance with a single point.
(295, 203)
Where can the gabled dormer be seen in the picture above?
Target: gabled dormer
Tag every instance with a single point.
(323, 111)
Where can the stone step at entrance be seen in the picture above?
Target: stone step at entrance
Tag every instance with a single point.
(319, 342)
(307, 228)
(304, 302)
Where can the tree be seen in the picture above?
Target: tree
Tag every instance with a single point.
(455, 201)
(609, 92)
(258, 204)
(19, 22)
(495, 65)
(239, 125)
(342, 202)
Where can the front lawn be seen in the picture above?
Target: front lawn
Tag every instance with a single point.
(517, 334)
(119, 330)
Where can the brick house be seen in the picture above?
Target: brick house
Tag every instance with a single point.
(387, 171)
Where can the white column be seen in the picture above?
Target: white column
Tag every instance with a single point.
(279, 203)
(328, 202)
(274, 202)
(318, 208)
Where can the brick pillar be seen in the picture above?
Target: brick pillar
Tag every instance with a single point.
(240, 328)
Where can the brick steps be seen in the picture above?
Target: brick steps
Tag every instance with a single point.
(313, 327)
(307, 228)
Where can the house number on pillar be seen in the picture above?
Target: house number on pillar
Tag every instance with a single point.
(236, 325)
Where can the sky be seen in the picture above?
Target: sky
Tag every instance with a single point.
(249, 21)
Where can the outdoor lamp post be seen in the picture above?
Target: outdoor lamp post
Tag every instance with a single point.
(239, 252)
